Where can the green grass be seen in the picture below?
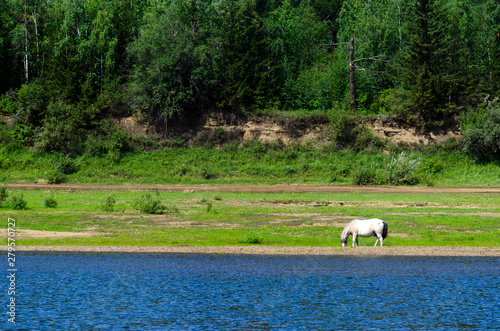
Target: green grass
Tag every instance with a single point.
(285, 219)
(250, 162)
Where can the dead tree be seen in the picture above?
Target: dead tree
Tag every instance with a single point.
(353, 67)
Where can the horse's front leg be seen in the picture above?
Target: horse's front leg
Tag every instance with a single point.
(354, 239)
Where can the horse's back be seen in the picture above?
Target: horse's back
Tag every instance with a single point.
(375, 224)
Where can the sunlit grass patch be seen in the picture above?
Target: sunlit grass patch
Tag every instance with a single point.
(281, 219)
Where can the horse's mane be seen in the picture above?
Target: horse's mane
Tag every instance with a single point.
(347, 229)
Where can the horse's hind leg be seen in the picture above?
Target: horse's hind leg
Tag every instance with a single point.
(379, 238)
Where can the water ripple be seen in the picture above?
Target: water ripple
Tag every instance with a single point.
(127, 291)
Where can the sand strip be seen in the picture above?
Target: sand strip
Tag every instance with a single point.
(277, 250)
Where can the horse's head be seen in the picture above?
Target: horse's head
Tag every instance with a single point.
(343, 240)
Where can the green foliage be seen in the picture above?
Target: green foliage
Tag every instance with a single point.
(391, 101)
(246, 69)
(482, 138)
(209, 207)
(108, 140)
(18, 202)
(7, 106)
(50, 202)
(62, 130)
(3, 194)
(171, 70)
(149, 203)
(55, 176)
(367, 175)
(175, 60)
(109, 204)
(402, 170)
(349, 131)
(430, 50)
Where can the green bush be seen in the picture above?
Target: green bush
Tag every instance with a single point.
(94, 145)
(50, 202)
(17, 201)
(62, 130)
(109, 204)
(402, 170)
(349, 131)
(111, 142)
(209, 207)
(7, 106)
(344, 126)
(482, 138)
(65, 165)
(367, 175)
(3, 194)
(54, 176)
(149, 204)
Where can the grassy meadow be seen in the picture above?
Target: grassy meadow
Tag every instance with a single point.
(254, 162)
(277, 219)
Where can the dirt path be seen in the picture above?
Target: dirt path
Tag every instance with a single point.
(281, 188)
(279, 250)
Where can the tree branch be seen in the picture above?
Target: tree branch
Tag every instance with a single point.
(373, 58)
(13, 119)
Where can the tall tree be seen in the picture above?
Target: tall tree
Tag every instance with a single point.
(163, 61)
(246, 72)
(427, 65)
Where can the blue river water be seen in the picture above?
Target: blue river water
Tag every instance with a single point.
(129, 291)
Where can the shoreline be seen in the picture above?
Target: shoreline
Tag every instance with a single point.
(279, 250)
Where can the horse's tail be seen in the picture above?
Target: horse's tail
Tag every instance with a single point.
(384, 230)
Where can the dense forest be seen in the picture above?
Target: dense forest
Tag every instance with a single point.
(65, 65)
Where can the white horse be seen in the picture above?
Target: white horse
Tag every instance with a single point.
(364, 228)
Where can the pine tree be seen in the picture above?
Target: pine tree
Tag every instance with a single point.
(246, 67)
(427, 65)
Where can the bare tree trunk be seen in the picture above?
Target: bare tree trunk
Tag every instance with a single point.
(351, 75)
(26, 63)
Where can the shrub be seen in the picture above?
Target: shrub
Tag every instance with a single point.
(207, 173)
(344, 126)
(149, 204)
(62, 130)
(367, 175)
(109, 204)
(50, 202)
(348, 131)
(209, 207)
(482, 138)
(3, 194)
(402, 170)
(18, 201)
(65, 166)
(112, 142)
(54, 176)
(94, 145)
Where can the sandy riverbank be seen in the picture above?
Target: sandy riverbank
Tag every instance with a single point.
(277, 250)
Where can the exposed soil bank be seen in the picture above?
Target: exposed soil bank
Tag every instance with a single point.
(278, 250)
(280, 188)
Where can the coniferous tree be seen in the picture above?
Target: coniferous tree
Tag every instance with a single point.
(427, 64)
(246, 73)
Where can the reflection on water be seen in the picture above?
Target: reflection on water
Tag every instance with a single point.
(92, 291)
